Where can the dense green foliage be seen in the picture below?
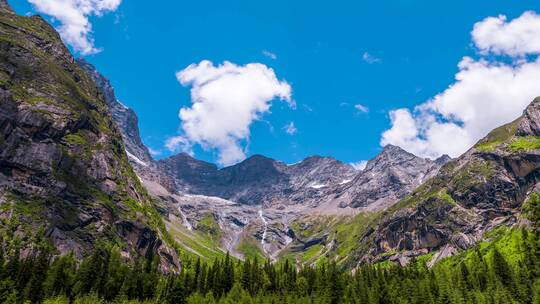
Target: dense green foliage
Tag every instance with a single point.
(503, 270)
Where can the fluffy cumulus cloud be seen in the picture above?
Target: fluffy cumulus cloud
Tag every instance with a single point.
(516, 38)
(226, 100)
(488, 91)
(75, 28)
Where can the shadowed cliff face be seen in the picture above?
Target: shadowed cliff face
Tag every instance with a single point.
(124, 117)
(316, 180)
(127, 122)
(484, 188)
(64, 173)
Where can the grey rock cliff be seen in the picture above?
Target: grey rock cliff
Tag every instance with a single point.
(257, 180)
(128, 124)
(63, 168)
(124, 117)
(263, 181)
(388, 177)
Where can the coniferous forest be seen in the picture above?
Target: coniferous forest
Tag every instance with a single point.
(503, 270)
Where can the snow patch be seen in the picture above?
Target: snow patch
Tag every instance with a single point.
(123, 105)
(316, 185)
(136, 159)
(295, 163)
(345, 181)
(263, 238)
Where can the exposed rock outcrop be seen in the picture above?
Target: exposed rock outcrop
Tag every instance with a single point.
(128, 124)
(314, 181)
(480, 190)
(319, 186)
(388, 177)
(63, 169)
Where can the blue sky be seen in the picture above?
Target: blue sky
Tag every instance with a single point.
(383, 55)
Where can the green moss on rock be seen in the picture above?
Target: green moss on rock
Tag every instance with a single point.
(524, 144)
(209, 225)
(497, 137)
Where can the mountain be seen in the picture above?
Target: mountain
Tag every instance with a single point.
(259, 180)
(258, 205)
(261, 206)
(77, 182)
(321, 207)
(64, 172)
(399, 207)
(128, 124)
(388, 177)
(491, 185)
(251, 206)
(124, 117)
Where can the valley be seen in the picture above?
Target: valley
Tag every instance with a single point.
(82, 200)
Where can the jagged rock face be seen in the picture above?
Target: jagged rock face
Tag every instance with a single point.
(233, 224)
(318, 172)
(237, 183)
(63, 168)
(4, 6)
(258, 180)
(471, 195)
(388, 177)
(530, 124)
(128, 124)
(263, 197)
(124, 117)
(316, 180)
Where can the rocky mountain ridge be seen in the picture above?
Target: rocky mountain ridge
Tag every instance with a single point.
(127, 122)
(280, 210)
(64, 174)
(314, 181)
(488, 186)
(253, 204)
(69, 151)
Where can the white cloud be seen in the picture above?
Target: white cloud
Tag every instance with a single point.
(269, 54)
(290, 128)
(154, 152)
(359, 165)
(179, 144)
(486, 93)
(226, 99)
(361, 108)
(519, 37)
(75, 28)
(368, 58)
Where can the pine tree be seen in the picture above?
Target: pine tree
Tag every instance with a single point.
(60, 276)
(228, 274)
(34, 288)
(501, 268)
